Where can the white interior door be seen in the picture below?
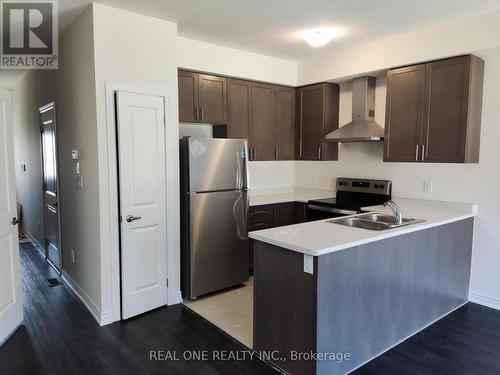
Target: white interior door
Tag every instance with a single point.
(141, 163)
(11, 306)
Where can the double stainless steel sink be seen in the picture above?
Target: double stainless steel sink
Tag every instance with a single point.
(374, 221)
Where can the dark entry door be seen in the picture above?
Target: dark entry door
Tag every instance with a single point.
(50, 185)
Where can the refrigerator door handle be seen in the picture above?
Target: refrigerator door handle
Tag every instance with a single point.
(241, 232)
(239, 176)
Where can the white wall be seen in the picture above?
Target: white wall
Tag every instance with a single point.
(272, 175)
(35, 89)
(476, 183)
(76, 116)
(212, 58)
(139, 50)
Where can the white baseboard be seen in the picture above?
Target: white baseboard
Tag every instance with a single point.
(487, 301)
(35, 242)
(175, 298)
(107, 318)
(86, 300)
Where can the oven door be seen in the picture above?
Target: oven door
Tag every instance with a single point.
(318, 212)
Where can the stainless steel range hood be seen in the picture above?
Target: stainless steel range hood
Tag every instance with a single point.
(363, 127)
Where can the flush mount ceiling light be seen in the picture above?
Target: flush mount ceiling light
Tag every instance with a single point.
(321, 36)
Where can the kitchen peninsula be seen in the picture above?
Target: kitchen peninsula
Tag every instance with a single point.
(353, 293)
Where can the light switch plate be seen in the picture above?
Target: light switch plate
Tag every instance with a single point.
(309, 264)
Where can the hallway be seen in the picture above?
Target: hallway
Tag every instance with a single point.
(60, 330)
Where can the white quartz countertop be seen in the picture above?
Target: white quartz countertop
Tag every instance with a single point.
(322, 237)
(272, 196)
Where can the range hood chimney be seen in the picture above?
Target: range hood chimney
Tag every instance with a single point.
(363, 127)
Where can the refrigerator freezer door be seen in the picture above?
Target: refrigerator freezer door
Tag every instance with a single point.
(219, 251)
(217, 164)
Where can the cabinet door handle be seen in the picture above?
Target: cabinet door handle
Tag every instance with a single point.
(196, 112)
(423, 152)
(416, 153)
(255, 153)
(201, 113)
(319, 153)
(276, 153)
(301, 126)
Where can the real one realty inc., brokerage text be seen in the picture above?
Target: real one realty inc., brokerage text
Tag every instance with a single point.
(244, 355)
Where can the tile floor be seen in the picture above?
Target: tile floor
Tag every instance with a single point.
(230, 310)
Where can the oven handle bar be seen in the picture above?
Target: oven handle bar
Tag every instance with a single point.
(330, 209)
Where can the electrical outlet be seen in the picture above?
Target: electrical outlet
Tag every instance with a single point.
(73, 260)
(427, 186)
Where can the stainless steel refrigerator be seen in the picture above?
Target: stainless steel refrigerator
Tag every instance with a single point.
(214, 214)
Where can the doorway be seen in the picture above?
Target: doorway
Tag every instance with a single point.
(50, 186)
(140, 124)
(11, 309)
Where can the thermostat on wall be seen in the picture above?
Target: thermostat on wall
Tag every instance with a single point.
(75, 154)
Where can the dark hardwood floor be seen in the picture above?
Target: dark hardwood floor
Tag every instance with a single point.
(59, 336)
(466, 341)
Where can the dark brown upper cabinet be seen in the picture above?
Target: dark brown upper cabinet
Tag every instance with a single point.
(404, 113)
(265, 115)
(188, 96)
(238, 108)
(202, 98)
(433, 111)
(261, 139)
(317, 115)
(284, 122)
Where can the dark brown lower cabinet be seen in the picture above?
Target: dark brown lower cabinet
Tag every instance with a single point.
(274, 215)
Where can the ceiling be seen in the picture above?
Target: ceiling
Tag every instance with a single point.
(270, 26)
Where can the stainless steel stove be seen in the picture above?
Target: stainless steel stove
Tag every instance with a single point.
(352, 195)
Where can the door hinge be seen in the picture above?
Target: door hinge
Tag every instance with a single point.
(167, 283)
(164, 120)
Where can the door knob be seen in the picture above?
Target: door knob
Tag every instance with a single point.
(131, 218)
(15, 221)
